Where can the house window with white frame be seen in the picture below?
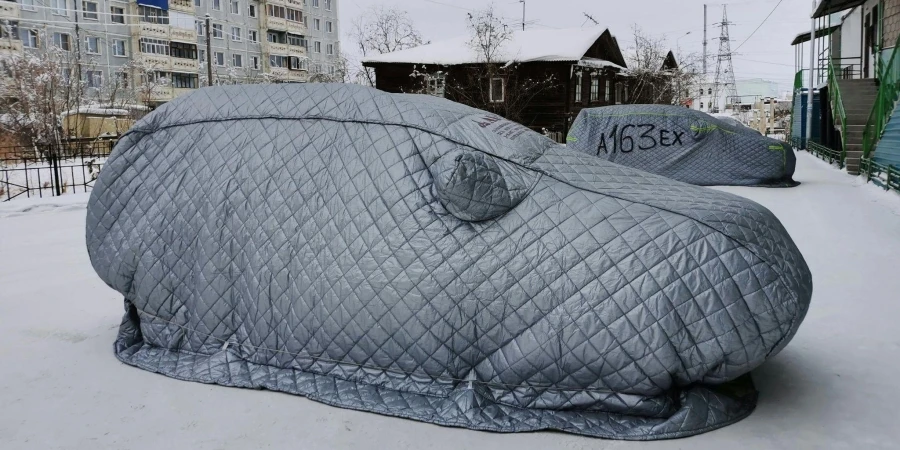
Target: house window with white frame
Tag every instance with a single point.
(276, 11)
(595, 88)
(196, 3)
(220, 59)
(116, 14)
(578, 80)
(217, 31)
(118, 47)
(317, 46)
(201, 27)
(317, 24)
(59, 7)
(92, 45)
(62, 41)
(315, 3)
(497, 90)
(89, 10)
(217, 5)
(237, 60)
(606, 92)
(94, 78)
(254, 62)
(236, 34)
(236, 7)
(29, 37)
(435, 84)
(26, 5)
(253, 35)
(329, 27)
(278, 61)
(251, 10)
(327, 5)
(329, 49)
(154, 46)
(294, 15)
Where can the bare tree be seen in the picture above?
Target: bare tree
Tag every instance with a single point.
(496, 82)
(380, 30)
(149, 84)
(655, 81)
(338, 74)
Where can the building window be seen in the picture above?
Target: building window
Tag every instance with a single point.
(27, 5)
(328, 5)
(701, 106)
(294, 15)
(435, 84)
(118, 47)
(217, 31)
(200, 27)
(185, 80)
(329, 27)
(317, 24)
(196, 3)
(116, 15)
(578, 87)
(254, 62)
(237, 60)
(293, 63)
(294, 40)
(252, 35)
(276, 11)
(275, 38)
(317, 46)
(153, 15)
(277, 61)
(235, 7)
(497, 90)
(92, 45)
(329, 49)
(709, 92)
(595, 88)
(122, 79)
(236, 34)
(220, 59)
(620, 93)
(217, 5)
(94, 78)
(202, 54)
(89, 10)
(251, 10)
(29, 38)
(315, 3)
(59, 7)
(154, 46)
(183, 50)
(606, 92)
(306, 21)
(62, 41)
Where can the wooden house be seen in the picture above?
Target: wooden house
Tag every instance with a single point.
(574, 69)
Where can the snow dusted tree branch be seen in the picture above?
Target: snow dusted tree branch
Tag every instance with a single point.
(652, 82)
(380, 30)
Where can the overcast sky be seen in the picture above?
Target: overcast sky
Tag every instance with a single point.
(767, 54)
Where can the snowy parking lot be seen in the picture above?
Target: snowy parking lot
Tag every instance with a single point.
(61, 387)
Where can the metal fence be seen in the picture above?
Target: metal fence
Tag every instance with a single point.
(51, 170)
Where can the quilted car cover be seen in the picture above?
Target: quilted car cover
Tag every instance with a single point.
(683, 144)
(411, 256)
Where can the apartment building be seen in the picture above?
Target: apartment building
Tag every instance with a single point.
(281, 40)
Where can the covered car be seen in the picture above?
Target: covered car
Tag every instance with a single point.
(683, 144)
(410, 256)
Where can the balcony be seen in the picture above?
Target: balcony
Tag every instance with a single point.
(183, 34)
(276, 23)
(294, 4)
(283, 74)
(9, 46)
(181, 91)
(165, 32)
(185, 6)
(9, 10)
(152, 61)
(277, 49)
(185, 65)
(296, 50)
(295, 27)
(276, 2)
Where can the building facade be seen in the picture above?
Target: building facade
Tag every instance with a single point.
(279, 40)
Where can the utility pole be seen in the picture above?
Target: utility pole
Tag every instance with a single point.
(523, 14)
(209, 75)
(77, 43)
(704, 40)
(812, 80)
(724, 66)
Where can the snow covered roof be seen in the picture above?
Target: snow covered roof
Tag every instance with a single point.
(105, 110)
(524, 46)
(598, 63)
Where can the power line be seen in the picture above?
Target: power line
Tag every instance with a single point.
(759, 26)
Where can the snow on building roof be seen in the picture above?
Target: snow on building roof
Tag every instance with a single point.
(523, 46)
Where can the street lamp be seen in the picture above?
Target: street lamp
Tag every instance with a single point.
(677, 45)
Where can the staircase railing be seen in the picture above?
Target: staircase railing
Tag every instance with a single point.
(888, 91)
(837, 109)
(796, 142)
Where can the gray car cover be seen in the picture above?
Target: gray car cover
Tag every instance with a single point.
(411, 256)
(683, 144)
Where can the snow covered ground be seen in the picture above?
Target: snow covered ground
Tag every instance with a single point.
(76, 175)
(835, 385)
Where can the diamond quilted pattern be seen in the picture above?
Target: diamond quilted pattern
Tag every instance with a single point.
(414, 257)
(683, 144)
